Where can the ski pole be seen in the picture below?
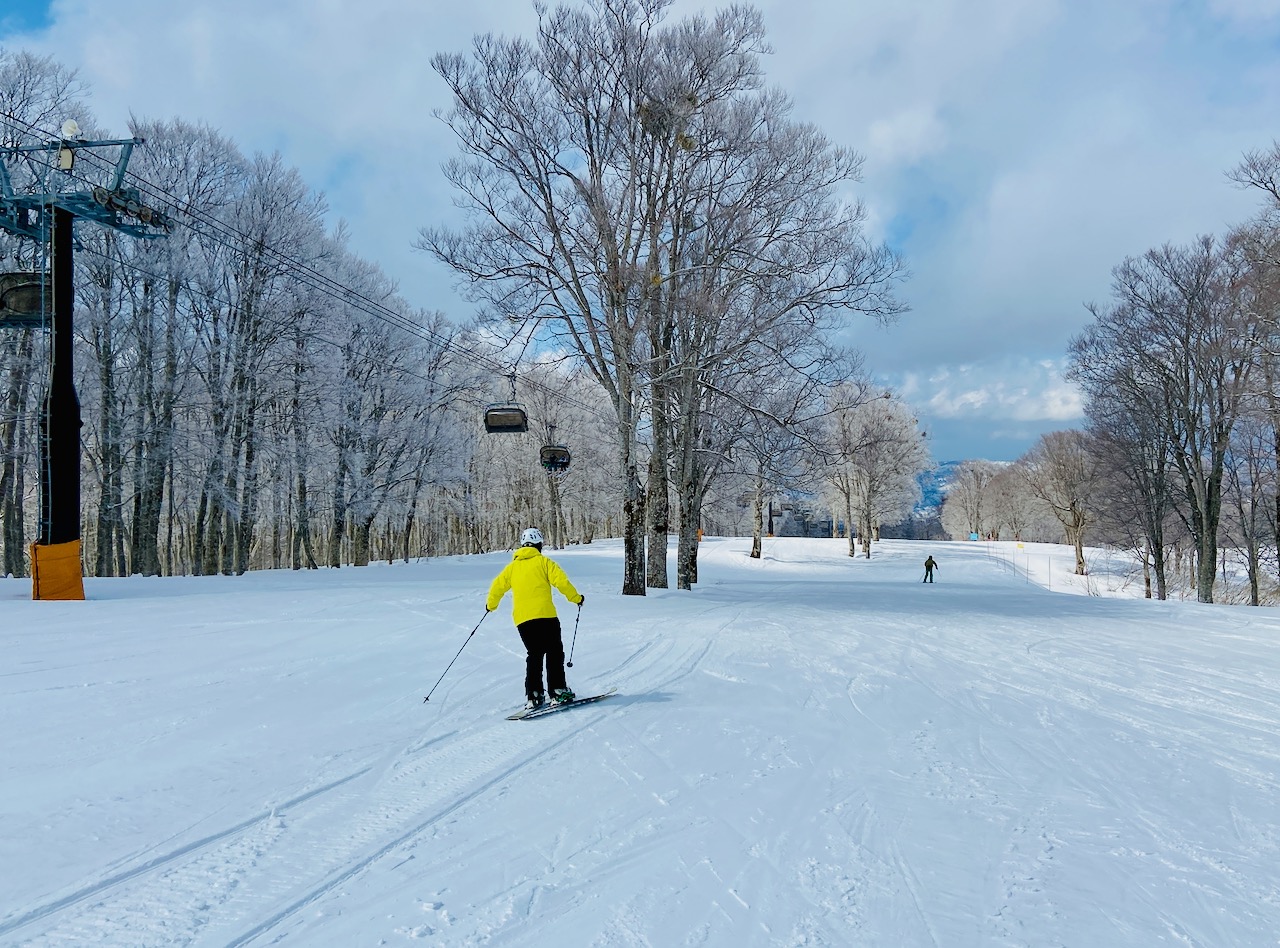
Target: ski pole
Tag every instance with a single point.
(455, 658)
(575, 635)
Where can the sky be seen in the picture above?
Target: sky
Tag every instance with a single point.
(1015, 150)
(806, 750)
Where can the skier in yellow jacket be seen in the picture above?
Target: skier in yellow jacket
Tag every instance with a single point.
(530, 576)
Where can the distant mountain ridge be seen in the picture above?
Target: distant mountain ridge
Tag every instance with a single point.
(934, 485)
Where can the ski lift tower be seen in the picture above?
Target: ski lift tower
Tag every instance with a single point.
(46, 213)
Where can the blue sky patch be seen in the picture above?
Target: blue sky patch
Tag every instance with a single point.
(23, 16)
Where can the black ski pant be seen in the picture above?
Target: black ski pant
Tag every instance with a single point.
(542, 641)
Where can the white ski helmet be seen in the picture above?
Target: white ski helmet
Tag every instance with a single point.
(531, 537)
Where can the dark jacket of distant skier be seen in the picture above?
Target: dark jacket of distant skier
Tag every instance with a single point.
(929, 566)
(530, 576)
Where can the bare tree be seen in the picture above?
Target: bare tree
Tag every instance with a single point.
(1250, 486)
(1260, 169)
(566, 190)
(1015, 509)
(970, 507)
(1186, 327)
(771, 451)
(197, 167)
(35, 92)
(630, 182)
(764, 263)
(844, 436)
(886, 470)
(1136, 490)
(103, 319)
(1062, 471)
(1259, 245)
(874, 453)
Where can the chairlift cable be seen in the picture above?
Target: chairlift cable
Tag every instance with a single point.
(222, 233)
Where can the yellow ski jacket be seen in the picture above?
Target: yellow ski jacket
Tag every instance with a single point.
(530, 576)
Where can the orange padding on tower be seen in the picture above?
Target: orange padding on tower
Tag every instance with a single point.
(56, 571)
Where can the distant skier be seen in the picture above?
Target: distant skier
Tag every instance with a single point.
(929, 566)
(530, 576)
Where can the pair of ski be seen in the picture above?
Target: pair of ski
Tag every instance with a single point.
(553, 707)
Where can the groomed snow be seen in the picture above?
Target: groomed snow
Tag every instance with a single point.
(807, 749)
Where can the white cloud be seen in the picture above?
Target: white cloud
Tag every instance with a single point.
(1090, 133)
(343, 90)
(1246, 11)
(905, 137)
(1016, 151)
(1016, 389)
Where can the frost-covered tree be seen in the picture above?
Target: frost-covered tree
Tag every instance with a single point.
(1185, 329)
(875, 452)
(1062, 471)
(971, 502)
(635, 190)
(36, 93)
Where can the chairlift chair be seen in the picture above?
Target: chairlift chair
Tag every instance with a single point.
(22, 298)
(555, 458)
(505, 418)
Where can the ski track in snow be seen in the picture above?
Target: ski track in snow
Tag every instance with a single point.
(273, 865)
(849, 772)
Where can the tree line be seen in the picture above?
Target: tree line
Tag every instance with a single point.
(660, 255)
(639, 196)
(255, 394)
(1178, 459)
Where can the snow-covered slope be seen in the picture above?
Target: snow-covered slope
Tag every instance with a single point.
(805, 750)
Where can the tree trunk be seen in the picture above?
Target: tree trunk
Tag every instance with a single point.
(157, 438)
(757, 520)
(110, 526)
(13, 449)
(143, 538)
(848, 518)
(1255, 568)
(691, 488)
(633, 515)
(658, 499)
(411, 515)
(249, 493)
(1207, 572)
(302, 552)
(556, 512)
(338, 528)
(208, 529)
(360, 534)
(209, 515)
(687, 547)
(1275, 432)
